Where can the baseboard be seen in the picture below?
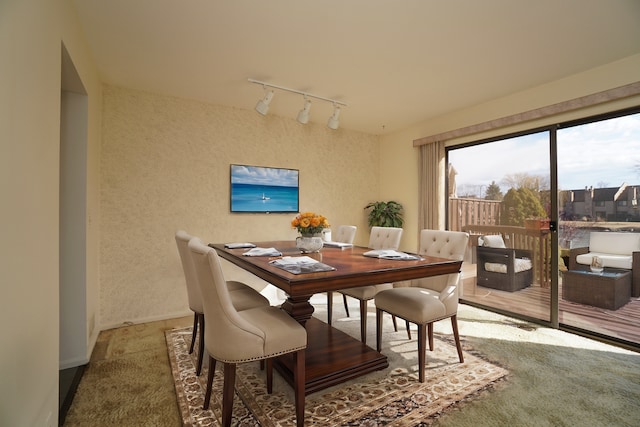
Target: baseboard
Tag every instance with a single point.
(158, 318)
(68, 391)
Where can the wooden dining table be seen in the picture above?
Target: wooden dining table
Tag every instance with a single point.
(332, 356)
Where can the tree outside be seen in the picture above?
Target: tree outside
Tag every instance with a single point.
(493, 192)
(519, 204)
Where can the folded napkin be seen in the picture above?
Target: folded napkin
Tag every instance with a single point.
(300, 265)
(239, 245)
(391, 254)
(262, 252)
(294, 260)
(338, 245)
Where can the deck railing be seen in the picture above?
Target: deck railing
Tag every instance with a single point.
(472, 211)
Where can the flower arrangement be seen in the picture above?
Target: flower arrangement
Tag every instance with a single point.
(309, 223)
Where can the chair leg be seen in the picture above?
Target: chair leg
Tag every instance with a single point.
(363, 321)
(395, 324)
(227, 393)
(408, 329)
(299, 387)
(346, 307)
(379, 315)
(212, 371)
(201, 345)
(454, 325)
(269, 376)
(422, 344)
(430, 327)
(329, 306)
(195, 332)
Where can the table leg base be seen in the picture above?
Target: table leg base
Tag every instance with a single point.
(333, 357)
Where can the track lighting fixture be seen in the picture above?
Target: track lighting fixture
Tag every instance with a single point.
(303, 115)
(333, 122)
(262, 106)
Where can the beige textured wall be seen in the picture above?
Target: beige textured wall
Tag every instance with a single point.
(165, 166)
(399, 158)
(31, 36)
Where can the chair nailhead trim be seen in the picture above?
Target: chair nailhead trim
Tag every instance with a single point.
(262, 357)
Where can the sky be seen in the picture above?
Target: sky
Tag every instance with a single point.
(600, 154)
(258, 175)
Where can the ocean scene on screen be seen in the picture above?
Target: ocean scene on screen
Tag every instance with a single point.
(264, 189)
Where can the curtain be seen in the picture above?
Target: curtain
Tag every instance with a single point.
(431, 188)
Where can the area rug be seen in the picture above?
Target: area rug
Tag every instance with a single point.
(389, 397)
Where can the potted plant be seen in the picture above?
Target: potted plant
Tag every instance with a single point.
(310, 226)
(385, 214)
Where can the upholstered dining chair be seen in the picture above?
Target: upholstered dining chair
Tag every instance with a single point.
(260, 333)
(344, 234)
(427, 300)
(242, 296)
(380, 238)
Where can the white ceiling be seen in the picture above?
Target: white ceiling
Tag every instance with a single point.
(395, 63)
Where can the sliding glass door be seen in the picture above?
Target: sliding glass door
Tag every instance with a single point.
(598, 191)
(499, 194)
(512, 193)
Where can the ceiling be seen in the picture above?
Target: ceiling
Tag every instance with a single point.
(395, 63)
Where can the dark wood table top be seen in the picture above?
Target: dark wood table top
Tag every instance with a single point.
(351, 268)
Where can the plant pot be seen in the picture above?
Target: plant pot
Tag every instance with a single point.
(536, 224)
(309, 244)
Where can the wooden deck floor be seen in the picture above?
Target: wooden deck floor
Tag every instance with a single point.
(534, 301)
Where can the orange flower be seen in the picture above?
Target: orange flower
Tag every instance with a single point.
(309, 223)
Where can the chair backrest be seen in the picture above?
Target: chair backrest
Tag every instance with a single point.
(618, 243)
(233, 339)
(345, 234)
(444, 244)
(491, 241)
(385, 237)
(193, 290)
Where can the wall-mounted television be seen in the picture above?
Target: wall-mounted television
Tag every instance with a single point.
(261, 189)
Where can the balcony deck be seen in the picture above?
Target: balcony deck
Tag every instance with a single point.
(534, 301)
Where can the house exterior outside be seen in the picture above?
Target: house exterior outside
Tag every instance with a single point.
(613, 204)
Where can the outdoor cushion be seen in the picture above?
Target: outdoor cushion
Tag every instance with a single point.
(520, 264)
(492, 241)
(614, 243)
(608, 260)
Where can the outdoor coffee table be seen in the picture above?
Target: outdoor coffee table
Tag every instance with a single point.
(610, 289)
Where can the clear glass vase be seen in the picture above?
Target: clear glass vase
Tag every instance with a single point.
(596, 265)
(309, 244)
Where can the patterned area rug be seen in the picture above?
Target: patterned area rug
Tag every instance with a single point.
(390, 397)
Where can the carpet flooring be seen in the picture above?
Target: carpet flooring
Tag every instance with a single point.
(555, 378)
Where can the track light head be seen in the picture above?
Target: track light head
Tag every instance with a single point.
(262, 106)
(333, 122)
(303, 115)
